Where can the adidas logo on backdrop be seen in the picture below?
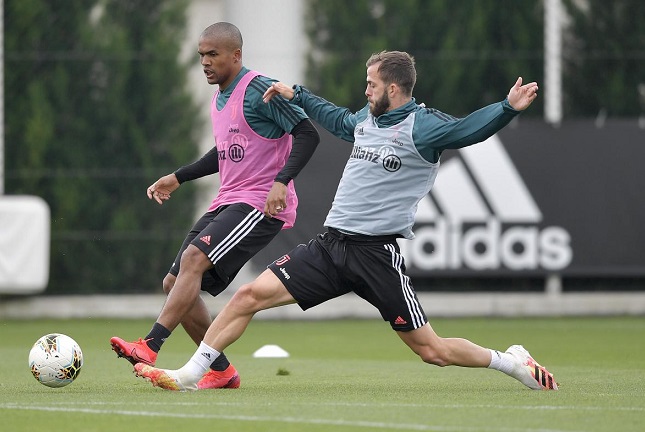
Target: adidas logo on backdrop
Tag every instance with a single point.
(481, 216)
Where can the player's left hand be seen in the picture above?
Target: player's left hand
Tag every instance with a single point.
(276, 200)
(521, 96)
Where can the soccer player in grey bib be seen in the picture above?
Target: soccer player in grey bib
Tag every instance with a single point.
(393, 164)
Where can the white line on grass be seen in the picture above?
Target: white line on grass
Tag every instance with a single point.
(357, 423)
(397, 405)
(502, 407)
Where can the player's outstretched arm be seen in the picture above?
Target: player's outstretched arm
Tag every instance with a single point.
(521, 96)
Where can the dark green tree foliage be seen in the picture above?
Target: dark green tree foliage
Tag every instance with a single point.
(605, 58)
(96, 110)
(468, 53)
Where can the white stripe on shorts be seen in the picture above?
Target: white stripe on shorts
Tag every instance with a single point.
(236, 235)
(413, 305)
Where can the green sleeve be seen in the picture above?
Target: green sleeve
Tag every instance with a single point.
(273, 119)
(435, 131)
(340, 122)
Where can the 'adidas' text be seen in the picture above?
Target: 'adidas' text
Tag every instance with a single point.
(483, 217)
(442, 246)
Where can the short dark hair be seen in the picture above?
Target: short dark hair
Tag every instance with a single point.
(395, 67)
(226, 31)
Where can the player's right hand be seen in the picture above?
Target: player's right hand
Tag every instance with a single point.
(161, 189)
(278, 88)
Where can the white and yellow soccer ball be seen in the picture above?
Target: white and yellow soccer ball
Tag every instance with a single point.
(55, 360)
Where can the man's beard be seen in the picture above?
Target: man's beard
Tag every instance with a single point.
(380, 106)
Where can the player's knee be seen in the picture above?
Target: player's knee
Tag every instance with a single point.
(190, 255)
(193, 259)
(254, 297)
(168, 283)
(434, 355)
(434, 359)
(246, 298)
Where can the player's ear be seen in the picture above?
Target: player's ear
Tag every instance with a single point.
(392, 89)
(237, 55)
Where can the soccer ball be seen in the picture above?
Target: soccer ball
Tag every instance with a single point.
(55, 360)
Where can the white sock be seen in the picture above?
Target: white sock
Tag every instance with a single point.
(199, 363)
(502, 361)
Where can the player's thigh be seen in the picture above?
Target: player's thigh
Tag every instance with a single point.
(266, 291)
(381, 270)
(230, 240)
(199, 225)
(308, 272)
(421, 340)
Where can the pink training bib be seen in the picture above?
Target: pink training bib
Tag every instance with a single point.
(248, 162)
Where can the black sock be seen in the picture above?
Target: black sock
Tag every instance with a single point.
(220, 363)
(157, 337)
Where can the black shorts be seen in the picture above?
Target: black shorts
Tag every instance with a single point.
(229, 236)
(333, 264)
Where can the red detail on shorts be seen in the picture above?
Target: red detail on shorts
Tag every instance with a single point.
(400, 321)
(281, 261)
(206, 239)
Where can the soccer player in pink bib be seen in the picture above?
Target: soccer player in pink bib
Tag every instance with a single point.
(259, 149)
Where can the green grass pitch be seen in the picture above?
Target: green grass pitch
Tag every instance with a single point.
(341, 376)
